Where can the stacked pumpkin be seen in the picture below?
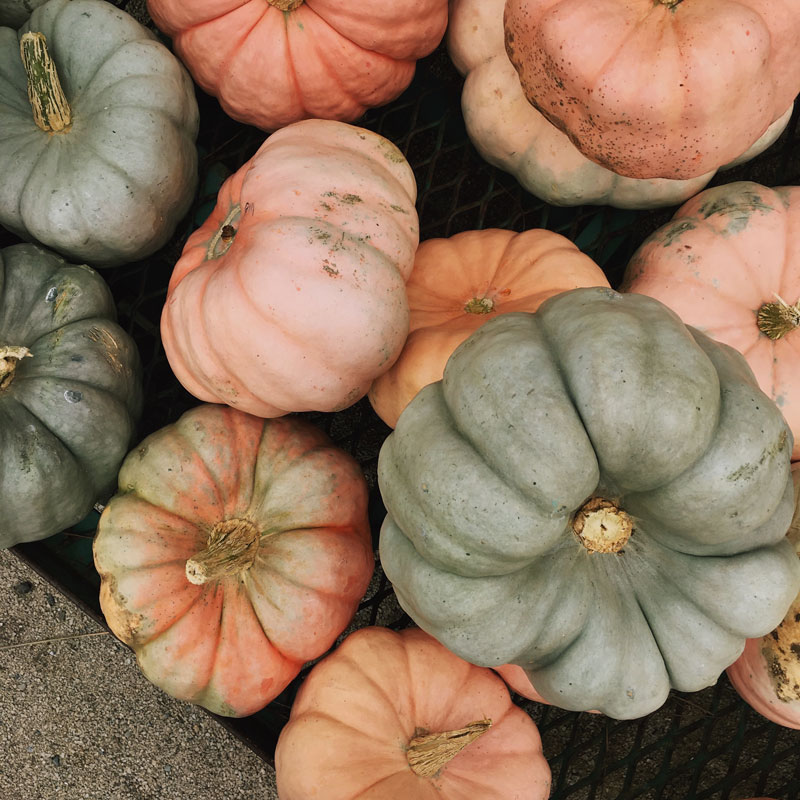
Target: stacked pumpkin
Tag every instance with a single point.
(565, 457)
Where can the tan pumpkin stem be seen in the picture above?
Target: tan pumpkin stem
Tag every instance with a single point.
(51, 111)
(669, 3)
(602, 527)
(428, 753)
(286, 5)
(480, 305)
(781, 651)
(777, 319)
(9, 357)
(231, 549)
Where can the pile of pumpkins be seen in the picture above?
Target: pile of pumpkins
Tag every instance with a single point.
(587, 489)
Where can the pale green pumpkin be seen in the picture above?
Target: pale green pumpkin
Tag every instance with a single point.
(15, 12)
(596, 493)
(100, 164)
(70, 393)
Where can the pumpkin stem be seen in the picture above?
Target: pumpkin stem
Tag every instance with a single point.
(286, 5)
(780, 650)
(231, 549)
(602, 527)
(669, 3)
(778, 319)
(222, 240)
(428, 753)
(480, 305)
(9, 356)
(51, 111)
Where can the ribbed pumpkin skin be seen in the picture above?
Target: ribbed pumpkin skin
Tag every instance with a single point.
(112, 188)
(356, 712)
(233, 643)
(597, 394)
(726, 253)
(326, 59)
(306, 305)
(511, 134)
(70, 409)
(510, 271)
(650, 91)
(767, 674)
(14, 12)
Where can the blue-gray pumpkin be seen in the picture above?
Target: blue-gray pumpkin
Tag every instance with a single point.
(98, 122)
(70, 393)
(597, 493)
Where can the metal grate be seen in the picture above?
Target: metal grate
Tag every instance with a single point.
(708, 745)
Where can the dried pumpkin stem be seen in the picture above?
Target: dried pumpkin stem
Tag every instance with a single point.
(231, 549)
(781, 651)
(286, 5)
(479, 305)
(428, 753)
(9, 357)
(777, 319)
(668, 3)
(602, 527)
(51, 111)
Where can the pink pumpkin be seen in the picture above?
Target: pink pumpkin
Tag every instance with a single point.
(729, 264)
(273, 62)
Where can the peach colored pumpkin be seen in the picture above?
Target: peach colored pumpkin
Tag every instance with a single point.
(727, 257)
(511, 134)
(460, 283)
(657, 88)
(396, 716)
(291, 297)
(273, 62)
(236, 550)
(518, 680)
(767, 674)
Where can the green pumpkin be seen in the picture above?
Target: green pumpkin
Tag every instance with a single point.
(70, 393)
(15, 12)
(101, 163)
(596, 493)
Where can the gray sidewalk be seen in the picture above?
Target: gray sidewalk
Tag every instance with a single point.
(78, 721)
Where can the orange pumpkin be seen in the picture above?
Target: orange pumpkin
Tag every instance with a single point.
(767, 674)
(729, 264)
(273, 62)
(657, 88)
(235, 551)
(291, 296)
(460, 283)
(396, 716)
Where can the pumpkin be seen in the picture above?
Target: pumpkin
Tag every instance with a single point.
(291, 297)
(596, 493)
(70, 392)
(767, 674)
(511, 134)
(100, 164)
(395, 716)
(274, 62)
(729, 264)
(235, 550)
(518, 680)
(460, 283)
(15, 12)
(657, 88)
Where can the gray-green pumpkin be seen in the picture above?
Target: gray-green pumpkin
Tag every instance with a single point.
(596, 493)
(15, 12)
(70, 393)
(100, 163)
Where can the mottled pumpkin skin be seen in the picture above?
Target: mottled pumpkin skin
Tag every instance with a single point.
(70, 408)
(767, 674)
(459, 284)
(511, 134)
(304, 304)
(112, 187)
(359, 708)
(597, 394)
(325, 59)
(233, 643)
(726, 253)
(653, 88)
(15, 12)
